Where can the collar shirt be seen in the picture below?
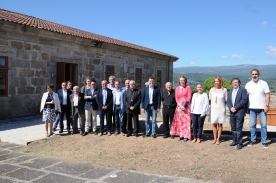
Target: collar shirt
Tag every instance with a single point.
(150, 94)
(256, 93)
(64, 100)
(104, 96)
(111, 87)
(234, 94)
(76, 100)
(118, 97)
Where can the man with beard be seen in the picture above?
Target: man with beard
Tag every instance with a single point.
(259, 99)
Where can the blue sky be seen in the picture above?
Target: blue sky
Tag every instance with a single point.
(199, 32)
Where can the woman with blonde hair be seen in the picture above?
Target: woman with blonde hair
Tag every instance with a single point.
(181, 124)
(218, 98)
(49, 106)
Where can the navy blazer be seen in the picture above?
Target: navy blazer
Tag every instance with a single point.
(109, 99)
(91, 101)
(240, 101)
(60, 96)
(156, 98)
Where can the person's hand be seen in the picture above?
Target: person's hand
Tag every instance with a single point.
(131, 108)
(266, 109)
(158, 110)
(143, 110)
(202, 116)
(86, 97)
(233, 109)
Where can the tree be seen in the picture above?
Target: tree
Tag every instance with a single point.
(209, 83)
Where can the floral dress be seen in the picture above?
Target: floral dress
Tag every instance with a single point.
(181, 124)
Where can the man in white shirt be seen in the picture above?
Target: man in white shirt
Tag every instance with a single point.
(259, 99)
(119, 108)
(151, 99)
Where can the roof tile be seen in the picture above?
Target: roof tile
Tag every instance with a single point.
(54, 27)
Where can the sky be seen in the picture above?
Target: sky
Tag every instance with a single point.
(198, 32)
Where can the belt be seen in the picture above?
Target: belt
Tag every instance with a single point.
(75, 106)
(118, 105)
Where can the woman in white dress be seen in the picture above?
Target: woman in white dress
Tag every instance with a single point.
(199, 108)
(218, 98)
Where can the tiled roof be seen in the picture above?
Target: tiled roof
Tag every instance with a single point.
(54, 27)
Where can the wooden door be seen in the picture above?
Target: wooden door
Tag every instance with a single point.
(65, 72)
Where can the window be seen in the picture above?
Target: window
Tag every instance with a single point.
(158, 78)
(109, 71)
(3, 76)
(138, 78)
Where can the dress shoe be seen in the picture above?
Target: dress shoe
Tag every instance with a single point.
(232, 144)
(154, 136)
(60, 131)
(165, 136)
(54, 129)
(136, 135)
(68, 132)
(146, 135)
(181, 138)
(128, 135)
(185, 139)
(239, 146)
(116, 133)
(100, 134)
(172, 137)
(85, 133)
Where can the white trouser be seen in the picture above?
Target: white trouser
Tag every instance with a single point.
(88, 114)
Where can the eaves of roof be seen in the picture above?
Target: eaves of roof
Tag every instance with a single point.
(54, 27)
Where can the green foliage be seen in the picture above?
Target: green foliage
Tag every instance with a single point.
(209, 83)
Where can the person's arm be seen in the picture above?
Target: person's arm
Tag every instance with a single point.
(267, 102)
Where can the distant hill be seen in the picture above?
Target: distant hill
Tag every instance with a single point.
(196, 74)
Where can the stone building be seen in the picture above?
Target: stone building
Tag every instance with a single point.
(35, 52)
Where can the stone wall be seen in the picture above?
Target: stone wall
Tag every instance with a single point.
(33, 54)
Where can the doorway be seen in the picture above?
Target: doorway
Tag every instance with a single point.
(65, 72)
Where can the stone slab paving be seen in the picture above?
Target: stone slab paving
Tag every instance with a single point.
(19, 167)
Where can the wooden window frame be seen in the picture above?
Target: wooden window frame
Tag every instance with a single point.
(138, 74)
(4, 69)
(107, 73)
(157, 78)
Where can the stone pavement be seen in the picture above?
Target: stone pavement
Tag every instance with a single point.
(18, 167)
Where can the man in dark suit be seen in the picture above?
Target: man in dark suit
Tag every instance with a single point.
(77, 107)
(169, 105)
(132, 100)
(236, 102)
(104, 100)
(151, 99)
(64, 98)
(91, 108)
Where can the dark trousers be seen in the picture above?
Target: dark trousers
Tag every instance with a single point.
(75, 117)
(108, 116)
(236, 123)
(168, 114)
(134, 116)
(123, 123)
(198, 123)
(65, 109)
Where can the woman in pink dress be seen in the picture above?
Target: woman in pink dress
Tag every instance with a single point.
(181, 124)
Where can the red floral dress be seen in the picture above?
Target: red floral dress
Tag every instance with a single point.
(181, 124)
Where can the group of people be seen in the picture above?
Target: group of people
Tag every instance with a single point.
(121, 106)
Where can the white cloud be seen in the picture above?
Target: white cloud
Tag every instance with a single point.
(264, 23)
(233, 56)
(271, 53)
(192, 63)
